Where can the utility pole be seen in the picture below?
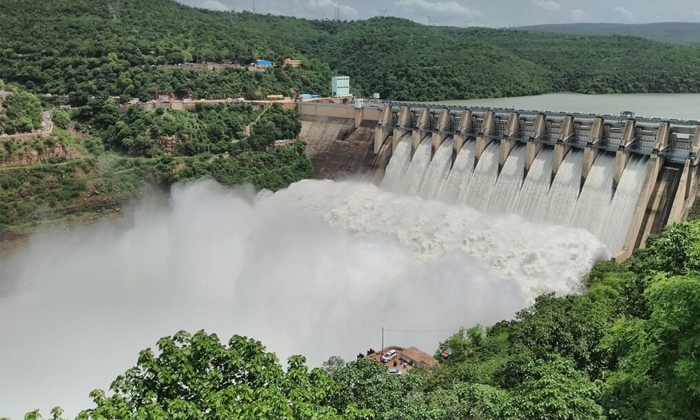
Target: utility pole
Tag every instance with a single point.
(254, 11)
(384, 12)
(337, 11)
(382, 350)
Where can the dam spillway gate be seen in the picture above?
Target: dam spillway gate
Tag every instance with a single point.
(620, 178)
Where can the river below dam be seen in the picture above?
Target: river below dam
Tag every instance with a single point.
(661, 105)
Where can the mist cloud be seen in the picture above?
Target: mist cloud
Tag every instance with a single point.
(317, 269)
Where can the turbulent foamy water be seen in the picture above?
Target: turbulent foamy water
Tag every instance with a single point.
(492, 188)
(538, 258)
(317, 269)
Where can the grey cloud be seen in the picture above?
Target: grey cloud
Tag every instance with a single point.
(440, 7)
(547, 5)
(495, 13)
(624, 12)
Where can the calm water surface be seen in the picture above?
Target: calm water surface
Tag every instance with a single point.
(661, 105)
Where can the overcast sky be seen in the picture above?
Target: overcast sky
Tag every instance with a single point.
(493, 13)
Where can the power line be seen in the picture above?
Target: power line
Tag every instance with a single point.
(369, 342)
(113, 11)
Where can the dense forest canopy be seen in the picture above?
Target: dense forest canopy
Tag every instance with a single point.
(683, 33)
(206, 129)
(132, 48)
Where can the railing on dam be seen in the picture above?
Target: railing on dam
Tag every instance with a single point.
(676, 140)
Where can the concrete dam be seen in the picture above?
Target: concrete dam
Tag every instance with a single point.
(620, 178)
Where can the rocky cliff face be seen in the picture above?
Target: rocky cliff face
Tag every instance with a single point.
(169, 143)
(33, 156)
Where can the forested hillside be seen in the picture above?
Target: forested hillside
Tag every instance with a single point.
(597, 64)
(404, 60)
(87, 48)
(102, 158)
(132, 48)
(683, 33)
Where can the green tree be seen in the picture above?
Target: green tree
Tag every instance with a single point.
(554, 390)
(676, 250)
(20, 112)
(61, 118)
(366, 385)
(333, 364)
(659, 372)
(196, 376)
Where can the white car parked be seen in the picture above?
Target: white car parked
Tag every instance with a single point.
(389, 356)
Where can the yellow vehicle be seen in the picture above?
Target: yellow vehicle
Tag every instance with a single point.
(275, 97)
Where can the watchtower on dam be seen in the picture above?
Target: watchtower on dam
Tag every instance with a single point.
(665, 156)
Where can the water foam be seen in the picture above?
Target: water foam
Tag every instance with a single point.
(507, 246)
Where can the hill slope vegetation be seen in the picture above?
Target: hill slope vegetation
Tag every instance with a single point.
(132, 48)
(683, 33)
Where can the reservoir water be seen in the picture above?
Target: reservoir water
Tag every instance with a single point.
(661, 105)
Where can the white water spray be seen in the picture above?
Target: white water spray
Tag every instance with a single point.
(532, 199)
(478, 192)
(438, 171)
(317, 269)
(396, 169)
(460, 174)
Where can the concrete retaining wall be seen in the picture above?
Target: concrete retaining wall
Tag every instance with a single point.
(337, 148)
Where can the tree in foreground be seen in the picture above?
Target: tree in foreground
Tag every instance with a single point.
(196, 377)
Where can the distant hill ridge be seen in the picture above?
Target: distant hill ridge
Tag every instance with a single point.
(682, 33)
